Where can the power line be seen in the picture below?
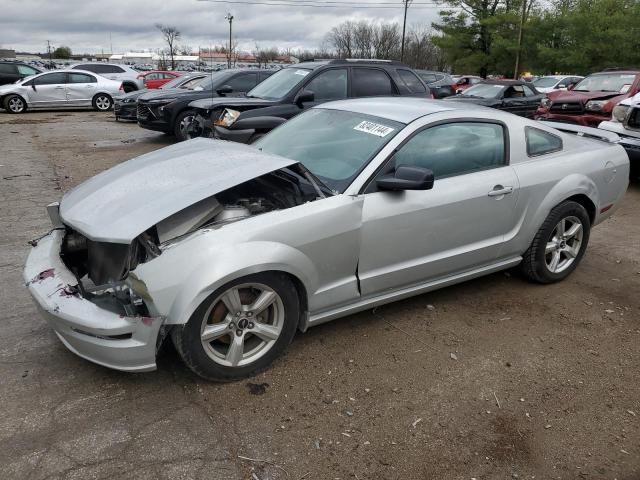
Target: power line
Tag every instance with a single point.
(317, 4)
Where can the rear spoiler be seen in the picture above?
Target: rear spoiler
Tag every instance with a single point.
(588, 132)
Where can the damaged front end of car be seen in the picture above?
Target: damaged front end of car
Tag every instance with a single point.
(83, 274)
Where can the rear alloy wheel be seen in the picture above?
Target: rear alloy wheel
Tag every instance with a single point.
(15, 104)
(185, 126)
(241, 328)
(559, 245)
(102, 102)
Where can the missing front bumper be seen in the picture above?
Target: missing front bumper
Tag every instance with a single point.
(99, 335)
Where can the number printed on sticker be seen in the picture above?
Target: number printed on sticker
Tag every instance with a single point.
(373, 129)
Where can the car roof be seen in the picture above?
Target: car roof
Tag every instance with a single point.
(399, 109)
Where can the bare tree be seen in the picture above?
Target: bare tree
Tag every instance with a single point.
(171, 36)
(185, 50)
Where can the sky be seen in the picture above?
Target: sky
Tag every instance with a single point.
(92, 26)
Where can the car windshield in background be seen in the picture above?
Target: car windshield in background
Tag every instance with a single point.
(212, 80)
(333, 145)
(609, 82)
(483, 90)
(279, 84)
(545, 82)
(177, 81)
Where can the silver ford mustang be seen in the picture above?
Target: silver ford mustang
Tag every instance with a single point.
(229, 249)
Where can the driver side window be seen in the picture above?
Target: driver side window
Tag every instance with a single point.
(455, 148)
(329, 85)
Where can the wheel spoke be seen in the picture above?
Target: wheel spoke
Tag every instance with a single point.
(555, 260)
(231, 300)
(573, 230)
(571, 252)
(236, 350)
(217, 330)
(551, 246)
(266, 332)
(266, 298)
(560, 228)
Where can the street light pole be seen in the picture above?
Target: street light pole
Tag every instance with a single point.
(230, 18)
(404, 27)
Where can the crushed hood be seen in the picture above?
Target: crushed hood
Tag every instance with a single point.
(572, 96)
(119, 204)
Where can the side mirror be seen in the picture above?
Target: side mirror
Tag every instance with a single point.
(224, 90)
(304, 96)
(407, 178)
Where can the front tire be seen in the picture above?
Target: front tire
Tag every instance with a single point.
(102, 102)
(240, 328)
(183, 126)
(559, 245)
(15, 104)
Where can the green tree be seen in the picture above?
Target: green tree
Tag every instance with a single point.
(62, 52)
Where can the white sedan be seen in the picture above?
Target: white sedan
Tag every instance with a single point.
(555, 82)
(60, 89)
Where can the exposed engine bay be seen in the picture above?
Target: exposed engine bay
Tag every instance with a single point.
(102, 268)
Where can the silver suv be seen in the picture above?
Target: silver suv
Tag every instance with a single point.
(128, 76)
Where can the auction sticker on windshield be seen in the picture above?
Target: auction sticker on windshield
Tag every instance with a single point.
(304, 73)
(373, 129)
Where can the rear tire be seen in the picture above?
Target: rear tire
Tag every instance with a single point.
(223, 343)
(102, 102)
(15, 104)
(559, 245)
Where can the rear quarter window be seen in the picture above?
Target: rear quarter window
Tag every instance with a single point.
(412, 82)
(540, 142)
(371, 82)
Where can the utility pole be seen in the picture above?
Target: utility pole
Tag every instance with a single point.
(230, 18)
(404, 27)
(49, 51)
(524, 13)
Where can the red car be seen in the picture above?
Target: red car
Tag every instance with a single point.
(157, 78)
(591, 100)
(464, 82)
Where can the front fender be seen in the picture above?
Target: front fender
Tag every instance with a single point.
(197, 271)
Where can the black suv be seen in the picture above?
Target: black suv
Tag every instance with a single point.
(168, 111)
(11, 72)
(297, 88)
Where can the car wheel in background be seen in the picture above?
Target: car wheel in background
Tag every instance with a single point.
(15, 104)
(559, 245)
(128, 88)
(240, 328)
(102, 102)
(183, 126)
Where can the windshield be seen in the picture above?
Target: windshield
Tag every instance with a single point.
(545, 82)
(213, 80)
(610, 82)
(483, 90)
(176, 82)
(333, 145)
(279, 84)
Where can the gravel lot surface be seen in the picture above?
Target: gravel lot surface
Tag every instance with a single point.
(493, 379)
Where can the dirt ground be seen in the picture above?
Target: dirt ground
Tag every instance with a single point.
(542, 383)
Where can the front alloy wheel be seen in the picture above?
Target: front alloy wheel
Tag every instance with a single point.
(241, 328)
(15, 104)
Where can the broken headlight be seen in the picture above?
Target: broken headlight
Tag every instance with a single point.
(227, 118)
(620, 112)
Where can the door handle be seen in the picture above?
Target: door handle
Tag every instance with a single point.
(499, 190)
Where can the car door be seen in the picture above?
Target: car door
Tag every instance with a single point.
(242, 83)
(81, 87)
(514, 100)
(532, 101)
(49, 90)
(411, 237)
(328, 85)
